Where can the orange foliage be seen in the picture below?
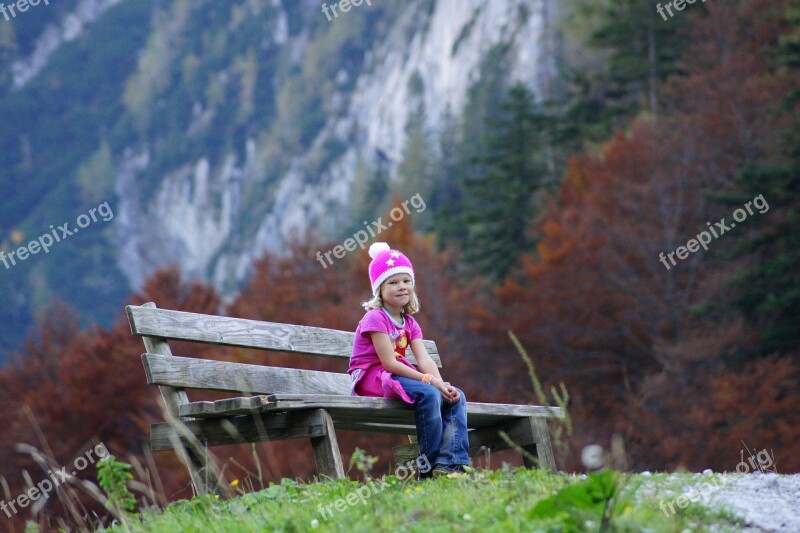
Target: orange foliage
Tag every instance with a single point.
(81, 388)
(636, 344)
(597, 309)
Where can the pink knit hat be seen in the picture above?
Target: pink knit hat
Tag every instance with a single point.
(386, 263)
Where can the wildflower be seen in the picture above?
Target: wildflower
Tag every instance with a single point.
(235, 483)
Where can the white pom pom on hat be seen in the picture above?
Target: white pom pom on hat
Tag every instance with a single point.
(378, 247)
(387, 263)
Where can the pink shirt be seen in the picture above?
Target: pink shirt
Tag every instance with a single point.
(366, 369)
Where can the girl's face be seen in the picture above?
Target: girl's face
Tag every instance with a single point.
(396, 291)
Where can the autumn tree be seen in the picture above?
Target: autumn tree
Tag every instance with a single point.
(71, 389)
(640, 342)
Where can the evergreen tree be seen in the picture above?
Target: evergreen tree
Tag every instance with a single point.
(447, 196)
(769, 291)
(418, 166)
(462, 146)
(642, 51)
(499, 199)
(371, 195)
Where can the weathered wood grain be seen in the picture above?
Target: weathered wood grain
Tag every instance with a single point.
(288, 403)
(326, 449)
(359, 406)
(241, 429)
(190, 373)
(172, 397)
(542, 448)
(246, 333)
(196, 460)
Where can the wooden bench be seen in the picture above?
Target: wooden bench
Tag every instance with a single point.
(287, 403)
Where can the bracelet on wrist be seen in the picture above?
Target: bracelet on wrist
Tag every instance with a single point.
(426, 378)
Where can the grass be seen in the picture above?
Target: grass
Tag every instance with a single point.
(486, 500)
(501, 500)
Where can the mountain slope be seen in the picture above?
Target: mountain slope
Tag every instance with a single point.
(218, 131)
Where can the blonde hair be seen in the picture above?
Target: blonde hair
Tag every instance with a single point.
(376, 302)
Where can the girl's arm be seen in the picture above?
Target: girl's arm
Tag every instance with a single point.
(383, 345)
(427, 365)
(424, 360)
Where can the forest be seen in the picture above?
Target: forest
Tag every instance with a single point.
(547, 219)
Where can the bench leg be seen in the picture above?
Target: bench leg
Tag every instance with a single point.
(529, 435)
(326, 450)
(541, 446)
(202, 474)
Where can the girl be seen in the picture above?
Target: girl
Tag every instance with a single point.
(379, 367)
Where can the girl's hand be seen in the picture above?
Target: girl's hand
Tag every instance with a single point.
(449, 392)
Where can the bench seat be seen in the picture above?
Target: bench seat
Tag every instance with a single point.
(363, 408)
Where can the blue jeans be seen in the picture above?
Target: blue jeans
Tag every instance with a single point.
(441, 426)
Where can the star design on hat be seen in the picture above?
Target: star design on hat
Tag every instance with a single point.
(390, 262)
(394, 254)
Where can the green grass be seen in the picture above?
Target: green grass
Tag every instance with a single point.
(501, 500)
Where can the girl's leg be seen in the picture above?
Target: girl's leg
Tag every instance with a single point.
(428, 417)
(454, 449)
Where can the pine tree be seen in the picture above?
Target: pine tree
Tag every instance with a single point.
(462, 146)
(642, 51)
(769, 290)
(499, 194)
(447, 196)
(417, 169)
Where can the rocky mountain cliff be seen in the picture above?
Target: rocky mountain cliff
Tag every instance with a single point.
(217, 131)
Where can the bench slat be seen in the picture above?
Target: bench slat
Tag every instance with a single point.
(189, 373)
(245, 333)
(239, 429)
(360, 408)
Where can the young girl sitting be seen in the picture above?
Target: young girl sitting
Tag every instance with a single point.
(379, 367)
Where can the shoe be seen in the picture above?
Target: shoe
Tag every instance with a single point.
(422, 476)
(417, 475)
(451, 471)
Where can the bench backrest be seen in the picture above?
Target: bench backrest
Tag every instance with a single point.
(173, 374)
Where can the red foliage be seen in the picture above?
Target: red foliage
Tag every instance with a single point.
(599, 311)
(643, 354)
(72, 389)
